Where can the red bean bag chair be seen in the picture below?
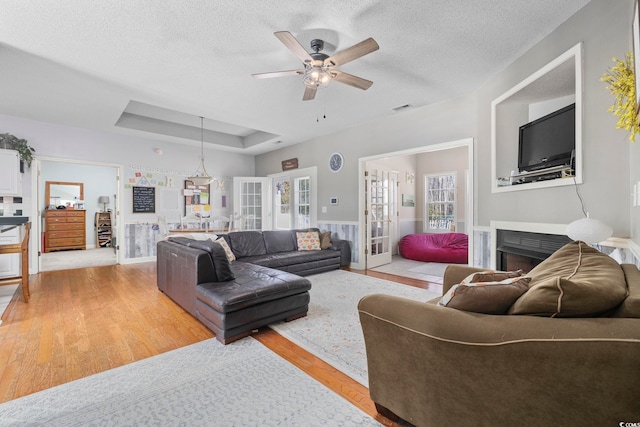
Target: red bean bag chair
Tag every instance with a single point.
(451, 248)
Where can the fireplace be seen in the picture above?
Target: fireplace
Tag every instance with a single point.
(522, 250)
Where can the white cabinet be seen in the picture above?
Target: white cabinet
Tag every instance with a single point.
(10, 263)
(10, 182)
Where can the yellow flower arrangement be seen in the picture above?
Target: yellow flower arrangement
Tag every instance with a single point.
(622, 84)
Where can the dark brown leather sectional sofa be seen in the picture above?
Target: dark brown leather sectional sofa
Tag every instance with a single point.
(262, 286)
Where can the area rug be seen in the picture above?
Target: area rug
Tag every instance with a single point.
(66, 260)
(429, 271)
(331, 330)
(241, 384)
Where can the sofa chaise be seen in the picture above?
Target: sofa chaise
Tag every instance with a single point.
(562, 350)
(234, 298)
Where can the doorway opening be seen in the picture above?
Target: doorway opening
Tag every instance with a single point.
(90, 236)
(407, 202)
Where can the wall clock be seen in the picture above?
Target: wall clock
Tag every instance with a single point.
(336, 161)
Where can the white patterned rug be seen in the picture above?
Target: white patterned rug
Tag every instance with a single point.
(331, 330)
(429, 271)
(241, 384)
(66, 260)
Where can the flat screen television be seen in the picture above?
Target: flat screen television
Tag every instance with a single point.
(548, 141)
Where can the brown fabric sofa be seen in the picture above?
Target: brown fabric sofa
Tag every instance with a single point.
(434, 366)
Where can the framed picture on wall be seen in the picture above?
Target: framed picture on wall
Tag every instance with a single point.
(408, 200)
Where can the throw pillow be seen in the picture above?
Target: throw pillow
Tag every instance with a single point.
(308, 241)
(490, 276)
(221, 262)
(486, 297)
(325, 240)
(575, 281)
(230, 255)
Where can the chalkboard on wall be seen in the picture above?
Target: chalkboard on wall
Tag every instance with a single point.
(144, 199)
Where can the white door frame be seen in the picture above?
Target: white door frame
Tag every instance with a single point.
(469, 216)
(311, 172)
(266, 208)
(35, 246)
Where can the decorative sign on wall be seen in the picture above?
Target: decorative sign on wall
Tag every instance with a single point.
(144, 199)
(290, 164)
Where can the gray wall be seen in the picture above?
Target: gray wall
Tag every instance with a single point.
(634, 162)
(433, 124)
(604, 27)
(443, 161)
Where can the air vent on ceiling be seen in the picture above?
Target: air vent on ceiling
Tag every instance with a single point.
(402, 108)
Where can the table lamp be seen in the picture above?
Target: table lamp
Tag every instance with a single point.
(105, 201)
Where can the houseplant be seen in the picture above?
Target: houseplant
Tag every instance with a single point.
(11, 142)
(621, 82)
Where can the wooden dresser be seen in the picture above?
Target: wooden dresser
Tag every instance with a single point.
(65, 229)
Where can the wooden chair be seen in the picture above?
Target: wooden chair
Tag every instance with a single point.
(19, 248)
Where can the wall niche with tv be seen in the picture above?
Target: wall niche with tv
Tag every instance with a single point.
(536, 128)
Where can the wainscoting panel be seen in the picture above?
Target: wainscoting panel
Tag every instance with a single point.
(482, 248)
(344, 231)
(140, 240)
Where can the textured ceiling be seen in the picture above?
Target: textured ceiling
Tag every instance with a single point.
(150, 65)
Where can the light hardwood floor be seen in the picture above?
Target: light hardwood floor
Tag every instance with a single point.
(84, 321)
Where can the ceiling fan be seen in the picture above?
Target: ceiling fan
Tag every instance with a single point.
(319, 68)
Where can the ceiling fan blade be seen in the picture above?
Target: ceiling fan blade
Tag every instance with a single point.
(294, 46)
(278, 74)
(354, 52)
(309, 93)
(351, 80)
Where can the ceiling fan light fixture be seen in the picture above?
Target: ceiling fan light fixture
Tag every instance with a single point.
(317, 75)
(201, 177)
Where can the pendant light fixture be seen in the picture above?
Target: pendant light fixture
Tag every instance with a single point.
(201, 177)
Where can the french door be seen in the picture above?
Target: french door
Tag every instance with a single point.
(251, 207)
(380, 216)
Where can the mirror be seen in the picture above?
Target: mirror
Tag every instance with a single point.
(64, 193)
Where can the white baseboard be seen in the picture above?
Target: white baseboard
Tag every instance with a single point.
(138, 260)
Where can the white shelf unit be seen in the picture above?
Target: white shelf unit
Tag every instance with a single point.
(557, 84)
